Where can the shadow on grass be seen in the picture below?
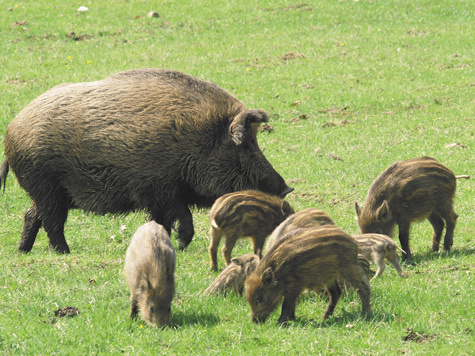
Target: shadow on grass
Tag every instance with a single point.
(429, 255)
(342, 319)
(179, 319)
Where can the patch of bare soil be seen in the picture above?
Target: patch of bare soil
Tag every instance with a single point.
(417, 337)
(68, 311)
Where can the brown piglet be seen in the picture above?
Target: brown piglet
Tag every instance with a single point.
(306, 218)
(150, 272)
(415, 189)
(234, 275)
(313, 258)
(248, 213)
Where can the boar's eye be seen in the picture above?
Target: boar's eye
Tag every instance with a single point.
(151, 309)
(260, 299)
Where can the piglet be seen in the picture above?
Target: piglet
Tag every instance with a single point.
(150, 272)
(247, 213)
(234, 275)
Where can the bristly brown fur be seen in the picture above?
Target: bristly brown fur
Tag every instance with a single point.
(242, 214)
(310, 258)
(146, 139)
(419, 188)
(306, 218)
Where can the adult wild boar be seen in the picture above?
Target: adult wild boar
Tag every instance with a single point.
(407, 191)
(147, 139)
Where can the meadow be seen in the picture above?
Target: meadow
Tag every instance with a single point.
(350, 87)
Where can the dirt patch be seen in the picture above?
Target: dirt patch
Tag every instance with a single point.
(77, 37)
(68, 311)
(291, 55)
(266, 128)
(417, 337)
(338, 123)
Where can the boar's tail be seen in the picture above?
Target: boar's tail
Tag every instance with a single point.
(3, 174)
(462, 176)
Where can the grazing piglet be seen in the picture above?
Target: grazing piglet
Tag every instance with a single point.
(310, 258)
(150, 273)
(377, 247)
(241, 214)
(411, 190)
(234, 275)
(310, 217)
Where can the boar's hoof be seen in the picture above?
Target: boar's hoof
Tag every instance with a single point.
(61, 249)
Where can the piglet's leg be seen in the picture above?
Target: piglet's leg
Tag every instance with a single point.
(404, 240)
(288, 308)
(438, 225)
(335, 293)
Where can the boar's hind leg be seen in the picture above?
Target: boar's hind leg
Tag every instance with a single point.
(356, 279)
(438, 226)
(215, 236)
(53, 223)
(450, 220)
(31, 226)
(335, 293)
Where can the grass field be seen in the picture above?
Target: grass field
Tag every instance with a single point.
(350, 86)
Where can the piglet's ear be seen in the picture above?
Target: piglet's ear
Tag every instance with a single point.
(357, 209)
(245, 124)
(384, 213)
(267, 276)
(236, 261)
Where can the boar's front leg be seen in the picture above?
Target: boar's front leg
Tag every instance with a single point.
(185, 225)
(438, 225)
(31, 227)
(288, 307)
(173, 212)
(404, 239)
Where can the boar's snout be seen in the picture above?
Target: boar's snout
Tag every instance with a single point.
(286, 190)
(258, 319)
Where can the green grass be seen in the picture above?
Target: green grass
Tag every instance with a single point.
(371, 82)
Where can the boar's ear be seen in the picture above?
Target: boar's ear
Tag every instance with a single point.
(383, 213)
(268, 276)
(245, 124)
(358, 209)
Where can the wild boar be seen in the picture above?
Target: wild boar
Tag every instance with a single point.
(376, 248)
(146, 139)
(310, 258)
(407, 191)
(234, 275)
(247, 213)
(150, 272)
(310, 217)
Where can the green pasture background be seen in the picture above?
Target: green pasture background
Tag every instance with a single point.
(350, 87)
